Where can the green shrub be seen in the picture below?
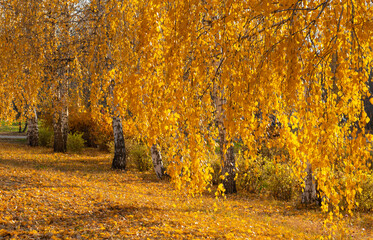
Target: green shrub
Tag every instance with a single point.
(365, 198)
(250, 174)
(96, 130)
(75, 142)
(110, 146)
(139, 155)
(45, 137)
(259, 175)
(280, 184)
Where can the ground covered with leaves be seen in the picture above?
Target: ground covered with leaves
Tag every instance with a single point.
(44, 195)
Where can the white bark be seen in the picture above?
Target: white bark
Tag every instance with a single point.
(228, 161)
(33, 130)
(61, 130)
(157, 162)
(61, 117)
(309, 195)
(119, 160)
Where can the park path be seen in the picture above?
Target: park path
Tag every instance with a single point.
(12, 137)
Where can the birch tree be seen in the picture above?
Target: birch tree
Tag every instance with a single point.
(268, 53)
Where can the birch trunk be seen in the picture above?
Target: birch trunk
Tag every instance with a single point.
(60, 117)
(119, 160)
(228, 161)
(61, 73)
(309, 195)
(229, 171)
(157, 162)
(24, 129)
(33, 130)
(61, 130)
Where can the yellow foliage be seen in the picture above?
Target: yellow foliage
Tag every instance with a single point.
(185, 73)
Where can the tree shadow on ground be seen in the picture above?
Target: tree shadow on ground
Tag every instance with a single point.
(102, 217)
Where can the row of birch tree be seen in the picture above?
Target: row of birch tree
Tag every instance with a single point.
(192, 75)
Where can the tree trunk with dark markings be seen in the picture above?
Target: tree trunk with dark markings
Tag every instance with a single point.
(119, 160)
(33, 131)
(309, 194)
(157, 162)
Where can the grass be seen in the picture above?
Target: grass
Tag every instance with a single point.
(44, 195)
(22, 141)
(7, 128)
